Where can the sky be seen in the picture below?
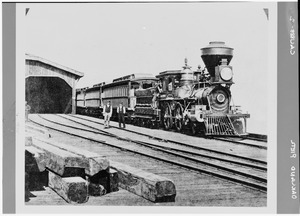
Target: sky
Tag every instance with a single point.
(106, 41)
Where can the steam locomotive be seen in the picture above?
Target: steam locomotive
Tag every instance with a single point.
(197, 101)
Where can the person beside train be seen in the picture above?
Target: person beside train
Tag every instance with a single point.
(107, 112)
(121, 110)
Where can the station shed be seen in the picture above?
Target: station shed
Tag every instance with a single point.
(50, 87)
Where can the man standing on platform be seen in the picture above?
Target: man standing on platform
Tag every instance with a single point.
(121, 113)
(107, 112)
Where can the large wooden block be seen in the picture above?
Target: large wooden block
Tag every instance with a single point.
(37, 180)
(26, 187)
(113, 180)
(41, 130)
(95, 162)
(101, 178)
(26, 181)
(58, 159)
(28, 139)
(107, 178)
(96, 189)
(72, 189)
(74, 171)
(35, 159)
(147, 185)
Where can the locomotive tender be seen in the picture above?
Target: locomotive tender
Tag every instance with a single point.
(198, 101)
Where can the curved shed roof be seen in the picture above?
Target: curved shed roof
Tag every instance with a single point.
(45, 61)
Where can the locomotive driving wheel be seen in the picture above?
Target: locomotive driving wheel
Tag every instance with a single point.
(142, 122)
(148, 123)
(153, 124)
(167, 117)
(135, 121)
(178, 117)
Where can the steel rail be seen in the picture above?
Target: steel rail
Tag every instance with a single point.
(174, 149)
(178, 143)
(257, 137)
(239, 142)
(260, 185)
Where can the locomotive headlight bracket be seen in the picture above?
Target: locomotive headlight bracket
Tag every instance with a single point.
(226, 73)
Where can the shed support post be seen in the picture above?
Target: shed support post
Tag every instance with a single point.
(73, 97)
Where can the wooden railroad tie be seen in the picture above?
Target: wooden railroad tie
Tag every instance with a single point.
(147, 185)
(68, 173)
(37, 130)
(72, 189)
(72, 169)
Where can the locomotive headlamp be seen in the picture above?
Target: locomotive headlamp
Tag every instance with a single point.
(226, 74)
(220, 98)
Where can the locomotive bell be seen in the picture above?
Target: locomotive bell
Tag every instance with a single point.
(187, 75)
(213, 54)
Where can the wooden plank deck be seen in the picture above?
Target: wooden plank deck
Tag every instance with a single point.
(231, 148)
(193, 189)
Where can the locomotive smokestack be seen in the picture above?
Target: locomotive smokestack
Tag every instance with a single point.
(214, 53)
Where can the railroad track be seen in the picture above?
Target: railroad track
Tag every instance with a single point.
(239, 141)
(258, 137)
(245, 171)
(165, 140)
(250, 136)
(243, 141)
(213, 154)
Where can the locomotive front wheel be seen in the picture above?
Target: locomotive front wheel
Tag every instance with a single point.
(202, 129)
(178, 117)
(238, 126)
(148, 123)
(134, 122)
(141, 122)
(193, 128)
(167, 117)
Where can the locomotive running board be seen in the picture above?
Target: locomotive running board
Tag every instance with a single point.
(220, 126)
